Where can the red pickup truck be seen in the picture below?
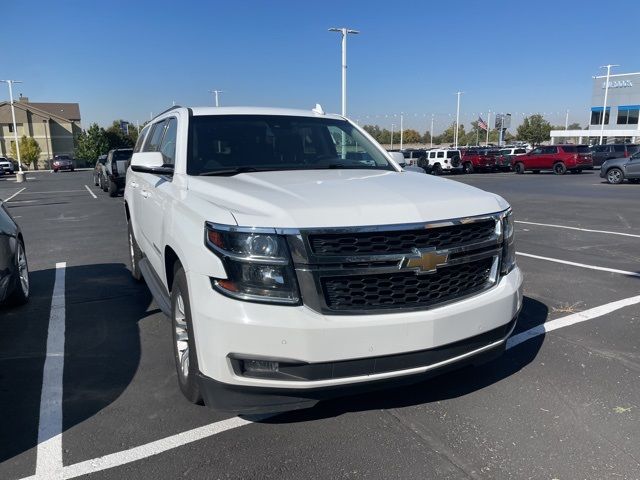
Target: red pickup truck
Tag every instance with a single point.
(559, 158)
(475, 159)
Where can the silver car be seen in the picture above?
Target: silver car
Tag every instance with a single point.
(616, 170)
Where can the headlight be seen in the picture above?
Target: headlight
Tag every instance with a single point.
(258, 266)
(508, 244)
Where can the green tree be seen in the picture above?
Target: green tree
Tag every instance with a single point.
(91, 143)
(121, 139)
(534, 129)
(374, 131)
(29, 150)
(411, 136)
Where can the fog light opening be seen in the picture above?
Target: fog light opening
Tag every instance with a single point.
(260, 366)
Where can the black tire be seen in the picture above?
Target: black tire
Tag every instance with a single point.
(95, 182)
(559, 168)
(135, 255)
(615, 176)
(519, 168)
(20, 293)
(103, 185)
(113, 189)
(467, 167)
(181, 325)
(437, 169)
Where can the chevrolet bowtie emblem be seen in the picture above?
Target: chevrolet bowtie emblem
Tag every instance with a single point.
(425, 262)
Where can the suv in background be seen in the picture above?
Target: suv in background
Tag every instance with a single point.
(6, 165)
(115, 170)
(602, 153)
(478, 159)
(504, 157)
(62, 162)
(440, 161)
(559, 158)
(295, 259)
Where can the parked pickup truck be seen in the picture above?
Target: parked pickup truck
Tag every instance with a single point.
(297, 261)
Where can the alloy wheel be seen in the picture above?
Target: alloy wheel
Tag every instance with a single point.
(182, 335)
(23, 270)
(614, 176)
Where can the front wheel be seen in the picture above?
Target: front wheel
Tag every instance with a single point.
(20, 294)
(467, 167)
(437, 169)
(519, 168)
(615, 176)
(184, 350)
(559, 168)
(135, 255)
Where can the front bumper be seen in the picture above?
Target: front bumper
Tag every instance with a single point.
(225, 329)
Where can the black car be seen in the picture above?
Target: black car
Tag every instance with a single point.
(98, 172)
(14, 271)
(115, 170)
(602, 153)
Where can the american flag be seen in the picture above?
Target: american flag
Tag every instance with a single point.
(482, 124)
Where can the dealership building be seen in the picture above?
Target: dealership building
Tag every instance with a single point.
(620, 115)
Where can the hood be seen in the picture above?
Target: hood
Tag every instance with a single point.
(336, 198)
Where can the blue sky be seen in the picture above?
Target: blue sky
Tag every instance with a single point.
(127, 59)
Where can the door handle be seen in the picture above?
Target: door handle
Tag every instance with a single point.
(133, 184)
(145, 193)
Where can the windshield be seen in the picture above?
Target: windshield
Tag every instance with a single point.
(271, 142)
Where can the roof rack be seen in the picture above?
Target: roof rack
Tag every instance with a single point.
(167, 110)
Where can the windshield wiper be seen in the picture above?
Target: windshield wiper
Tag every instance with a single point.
(234, 171)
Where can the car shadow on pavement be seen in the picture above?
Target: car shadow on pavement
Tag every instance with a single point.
(453, 384)
(102, 348)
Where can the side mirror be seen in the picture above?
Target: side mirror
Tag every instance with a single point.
(150, 162)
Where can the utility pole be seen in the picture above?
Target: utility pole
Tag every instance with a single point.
(455, 136)
(344, 31)
(215, 94)
(20, 178)
(606, 93)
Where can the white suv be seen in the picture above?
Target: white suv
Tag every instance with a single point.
(444, 160)
(296, 259)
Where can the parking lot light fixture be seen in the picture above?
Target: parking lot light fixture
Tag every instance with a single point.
(401, 130)
(344, 32)
(455, 135)
(431, 131)
(606, 94)
(392, 125)
(216, 94)
(13, 118)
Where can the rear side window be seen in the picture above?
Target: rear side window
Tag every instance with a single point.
(155, 136)
(140, 141)
(569, 149)
(168, 146)
(582, 149)
(122, 155)
(440, 154)
(633, 148)
(618, 148)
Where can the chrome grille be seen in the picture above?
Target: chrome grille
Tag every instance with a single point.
(401, 241)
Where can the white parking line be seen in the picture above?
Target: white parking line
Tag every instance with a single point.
(12, 196)
(581, 265)
(571, 320)
(89, 190)
(49, 453)
(579, 229)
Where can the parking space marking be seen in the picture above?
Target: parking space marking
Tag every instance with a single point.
(153, 448)
(49, 452)
(581, 265)
(579, 229)
(571, 320)
(13, 196)
(53, 191)
(90, 192)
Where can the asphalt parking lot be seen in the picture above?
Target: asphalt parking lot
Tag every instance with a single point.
(562, 403)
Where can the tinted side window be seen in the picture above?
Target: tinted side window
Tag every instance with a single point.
(440, 154)
(520, 150)
(618, 148)
(155, 136)
(168, 146)
(141, 137)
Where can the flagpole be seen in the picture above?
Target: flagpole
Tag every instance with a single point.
(486, 144)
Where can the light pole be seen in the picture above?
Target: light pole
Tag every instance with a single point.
(566, 121)
(392, 125)
(486, 144)
(455, 136)
(431, 131)
(215, 94)
(401, 130)
(606, 93)
(45, 124)
(344, 32)
(15, 127)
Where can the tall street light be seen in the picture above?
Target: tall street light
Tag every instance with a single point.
(431, 131)
(401, 130)
(215, 94)
(15, 127)
(344, 32)
(606, 93)
(392, 125)
(455, 137)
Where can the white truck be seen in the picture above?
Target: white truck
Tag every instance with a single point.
(297, 261)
